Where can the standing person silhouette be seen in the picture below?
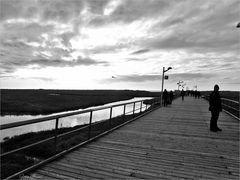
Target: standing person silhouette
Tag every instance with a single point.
(215, 106)
(165, 98)
(182, 94)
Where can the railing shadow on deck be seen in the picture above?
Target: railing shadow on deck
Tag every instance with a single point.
(56, 142)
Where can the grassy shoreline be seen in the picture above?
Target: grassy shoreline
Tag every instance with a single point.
(44, 102)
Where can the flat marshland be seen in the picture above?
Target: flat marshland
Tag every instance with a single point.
(39, 101)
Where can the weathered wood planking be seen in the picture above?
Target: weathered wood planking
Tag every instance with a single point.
(170, 143)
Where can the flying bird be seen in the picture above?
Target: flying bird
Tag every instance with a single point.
(238, 25)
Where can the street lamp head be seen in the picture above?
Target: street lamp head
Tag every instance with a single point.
(167, 69)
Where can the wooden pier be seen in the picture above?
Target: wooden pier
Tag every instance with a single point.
(172, 142)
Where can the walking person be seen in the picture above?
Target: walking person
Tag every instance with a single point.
(182, 94)
(215, 106)
(165, 98)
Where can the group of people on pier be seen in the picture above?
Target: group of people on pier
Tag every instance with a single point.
(167, 97)
(215, 105)
(193, 93)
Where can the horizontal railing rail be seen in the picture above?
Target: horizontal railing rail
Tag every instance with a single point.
(229, 106)
(230, 100)
(144, 106)
(48, 118)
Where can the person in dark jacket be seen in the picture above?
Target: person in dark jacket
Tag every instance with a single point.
(165, 98)
(215, 106)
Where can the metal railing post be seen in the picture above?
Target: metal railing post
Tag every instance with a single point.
(124, 110)
(141, 107)
(56, 134)
(90, 125)
(133, 108)
(110, 118)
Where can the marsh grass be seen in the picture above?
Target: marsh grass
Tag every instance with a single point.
(35, 102)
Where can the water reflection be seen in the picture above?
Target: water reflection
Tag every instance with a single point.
(69, 121)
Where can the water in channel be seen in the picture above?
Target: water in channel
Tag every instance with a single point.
(69, 121)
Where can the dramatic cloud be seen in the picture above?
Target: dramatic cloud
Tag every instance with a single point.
(207, 27)
(10, 66)
(133, 39)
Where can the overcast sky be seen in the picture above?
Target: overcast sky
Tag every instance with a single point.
(119, 44)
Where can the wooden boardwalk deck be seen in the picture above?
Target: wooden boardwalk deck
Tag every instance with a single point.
(170, 143)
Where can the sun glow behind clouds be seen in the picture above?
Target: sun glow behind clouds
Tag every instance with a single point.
(61, 42)
(112, 34)
(70, 77)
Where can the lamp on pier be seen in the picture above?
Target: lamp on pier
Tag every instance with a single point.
(163, 77)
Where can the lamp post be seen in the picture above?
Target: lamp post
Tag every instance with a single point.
(161, 102)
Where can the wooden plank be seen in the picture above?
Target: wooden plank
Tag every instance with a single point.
(53, 175)
(80, 174)
(169, 162)
(188, 156)
(38, 175)
(82, 170)
(120, 173)
(190, 145)
(165, 167)
(61, 172)
(156, 154)
(178, 138)
(172, 143)
(33, 177)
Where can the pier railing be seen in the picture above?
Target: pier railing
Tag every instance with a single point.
(229, 106)
(83, 133)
